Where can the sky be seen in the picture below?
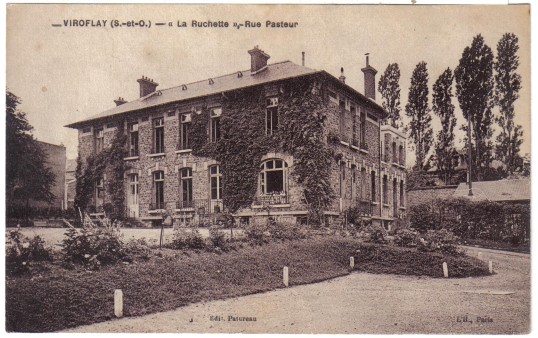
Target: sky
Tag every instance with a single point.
(63, 74)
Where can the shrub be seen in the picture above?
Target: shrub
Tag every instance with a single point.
(440, 241)
(372, 233)
(21, 251)
(137, 249)
(407, 238)
(256, 232)
(184, 239)
(284, 230)
(92, 246)
(217, 237)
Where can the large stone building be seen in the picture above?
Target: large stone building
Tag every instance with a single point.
(167, 174)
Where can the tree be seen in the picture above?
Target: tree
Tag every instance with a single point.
(474, 89)
(443, 107)
(417, 109)
(27, 176)
(508, 84)
(389, 88)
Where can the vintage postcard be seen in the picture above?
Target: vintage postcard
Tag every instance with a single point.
(268, 169)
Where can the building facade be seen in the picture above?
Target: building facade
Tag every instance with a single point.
(165, 175)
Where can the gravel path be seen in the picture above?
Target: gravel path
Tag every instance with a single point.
(362, 303)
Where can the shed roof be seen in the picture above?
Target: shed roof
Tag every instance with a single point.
(497, 191)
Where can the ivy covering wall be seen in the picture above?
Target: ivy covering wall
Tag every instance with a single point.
(244, 142)
(110, 161)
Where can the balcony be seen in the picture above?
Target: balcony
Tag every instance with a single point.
(200, 206)
(271, 199)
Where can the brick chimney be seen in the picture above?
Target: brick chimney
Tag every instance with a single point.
(120, 101)
(258, 60)
(147, 86)
(369, 79)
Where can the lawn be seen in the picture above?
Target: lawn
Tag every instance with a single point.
(53, 298)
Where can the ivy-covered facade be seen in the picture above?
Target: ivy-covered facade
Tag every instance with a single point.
(278, 140)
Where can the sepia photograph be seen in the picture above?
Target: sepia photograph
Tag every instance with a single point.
(276, 168)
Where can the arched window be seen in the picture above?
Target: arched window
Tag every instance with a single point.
(186, 187)
(273, 177)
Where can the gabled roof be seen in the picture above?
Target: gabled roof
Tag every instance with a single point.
(243, 79)
(497, 191)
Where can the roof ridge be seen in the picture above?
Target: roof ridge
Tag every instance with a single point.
(220, 76)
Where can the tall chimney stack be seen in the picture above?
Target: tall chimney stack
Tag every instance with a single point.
(303, 59)
(258, 60)
(369, 79)
(342, 77)
(147, 86)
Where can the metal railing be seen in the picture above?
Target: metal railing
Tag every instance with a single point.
(273, 199)
(156, 206)
(201, 206)
(364, 207)
(364, 146)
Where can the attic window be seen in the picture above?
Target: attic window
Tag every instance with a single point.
(145, 119)
(184, 87)
(87, 130)
(372, 117)
(332, 96)
(239, 74)
(110, 125)
(171, 113)
(211, 81)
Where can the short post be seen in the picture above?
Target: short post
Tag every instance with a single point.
(351, 262)
(490, 265)
(285, 276)
(445, 270)
(118, 303)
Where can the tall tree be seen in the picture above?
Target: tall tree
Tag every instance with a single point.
(420, 130)
(474, 89)
(27, 176)
(389, 88)
(508, 84)
(443, 107)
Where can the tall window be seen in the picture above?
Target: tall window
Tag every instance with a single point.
(185, 130)
(394, 153)
(271, 116)
(99, 140)
(402, 193)
(342, 120)
(186, 187)
(401, 154)
(215, 182)
(364, 184)
(133, 139)
(133, 188)
(355, 138)
(363, 128)
(158, 190)
(99, 192)
(373, 192)
(353, 183)
(385, 190)
(158, 135)
(395, 197)
(342, 171)
(273, 177)
(214, 127)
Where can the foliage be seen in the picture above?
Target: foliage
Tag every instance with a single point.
(184, 239)
(439, 241)
(443, 107)
(19, 212)
(373, 233)
(21, 251)
(389, 88)
(217, 237)
(256, 232)
(244, 142)
(284, 230)
(136, 248)
(407, 238)
(93, 246)
(474, 89)
(474, 220)
(507, 86)
(27, 173)
(417, 109)
(87, 174)
(419, 179)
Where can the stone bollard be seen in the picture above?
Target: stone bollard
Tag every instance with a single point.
(118, 303)
(351, 262)
(445, 270)
(490, 265)
(285, 276)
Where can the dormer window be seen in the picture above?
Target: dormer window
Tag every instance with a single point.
(271, 116)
